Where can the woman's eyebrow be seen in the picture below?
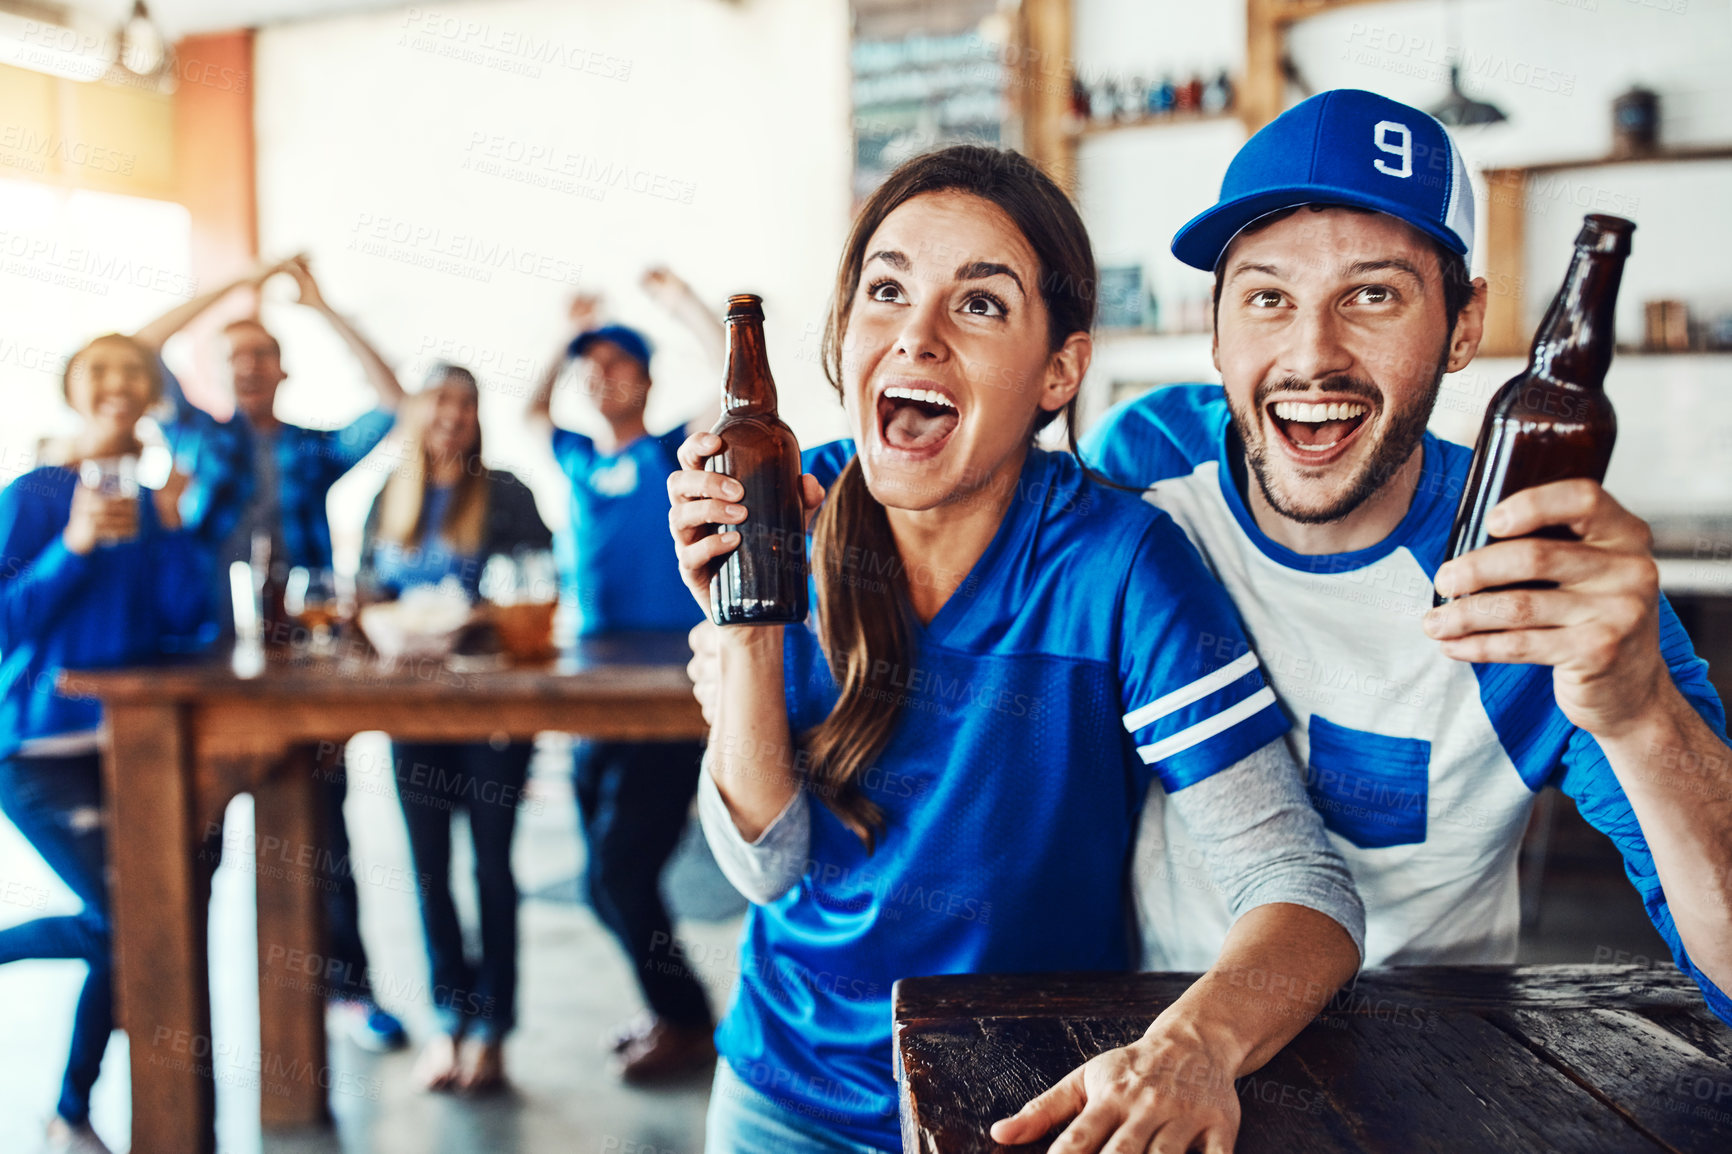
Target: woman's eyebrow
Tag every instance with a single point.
(981, 269)
(895, 258)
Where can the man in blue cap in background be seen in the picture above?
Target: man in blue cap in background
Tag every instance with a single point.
(633, 797)
(1309, 482)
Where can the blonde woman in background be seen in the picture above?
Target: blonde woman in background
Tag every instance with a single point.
(441, 515)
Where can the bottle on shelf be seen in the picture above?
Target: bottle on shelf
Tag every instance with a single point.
(1218, 94)
(1188, 97)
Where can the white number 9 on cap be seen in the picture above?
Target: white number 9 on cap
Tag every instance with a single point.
(1403, 147)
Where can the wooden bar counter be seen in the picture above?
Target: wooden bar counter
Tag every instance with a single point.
(1451, 1059)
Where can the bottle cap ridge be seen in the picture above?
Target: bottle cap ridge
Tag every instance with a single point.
(1602, 232)
(745, 306)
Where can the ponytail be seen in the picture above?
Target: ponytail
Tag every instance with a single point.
(863, 626)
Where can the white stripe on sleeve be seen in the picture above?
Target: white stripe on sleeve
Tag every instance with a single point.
(1195, 691)
(1207, 728)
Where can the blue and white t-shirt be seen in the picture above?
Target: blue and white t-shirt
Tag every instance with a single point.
(622, 564)
(1423, 768)
(1076, 663)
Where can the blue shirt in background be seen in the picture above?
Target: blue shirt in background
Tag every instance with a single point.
(1078, 660)
(622, 566)
(218, 455)
(430, 560)
(127, 603)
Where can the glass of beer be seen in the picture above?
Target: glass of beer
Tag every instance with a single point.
(112, 477)
(523, 592)
(311, 598)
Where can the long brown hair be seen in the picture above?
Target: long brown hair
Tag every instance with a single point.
(863, 621)
(405, 493)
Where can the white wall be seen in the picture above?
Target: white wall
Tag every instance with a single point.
(458, 173)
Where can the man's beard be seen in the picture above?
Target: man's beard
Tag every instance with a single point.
(1391, 450)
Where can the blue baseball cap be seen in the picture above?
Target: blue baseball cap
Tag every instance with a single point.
(1344, 146)
(629, 340)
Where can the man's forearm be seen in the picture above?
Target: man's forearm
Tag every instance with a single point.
(539, 409)
(1278, 968)
(1677, 773)
(155, 334)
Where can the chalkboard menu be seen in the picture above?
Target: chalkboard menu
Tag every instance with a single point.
(925, 75)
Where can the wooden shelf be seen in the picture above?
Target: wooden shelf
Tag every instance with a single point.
(1504, 235)
(1101, 128)
(1658, 156)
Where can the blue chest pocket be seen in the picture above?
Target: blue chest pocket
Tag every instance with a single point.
(1369, 788)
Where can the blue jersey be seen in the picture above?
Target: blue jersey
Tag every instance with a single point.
(126, 603)
(622, 562)
(429, 560)
(218, 456)
(1423, 768)
(1076, 663)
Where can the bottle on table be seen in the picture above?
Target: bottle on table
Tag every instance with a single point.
(1553, 421)
(270, 588)
(763, 582)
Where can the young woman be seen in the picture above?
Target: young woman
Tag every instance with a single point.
(941, 772)
(442, 514)
(87, 580)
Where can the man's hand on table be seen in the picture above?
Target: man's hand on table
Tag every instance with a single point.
(1168, 1092)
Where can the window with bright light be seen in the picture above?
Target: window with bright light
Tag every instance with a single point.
(75, 264)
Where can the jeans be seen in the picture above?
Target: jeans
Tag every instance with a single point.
(346, 957)
(56, 803)
(633, 799)
(433, 782)
(743, 1120)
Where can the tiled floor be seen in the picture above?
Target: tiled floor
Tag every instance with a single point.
(574, 987)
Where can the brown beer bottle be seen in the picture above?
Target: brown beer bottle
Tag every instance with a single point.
(269, 584)
(1553, 421)
(763, 582)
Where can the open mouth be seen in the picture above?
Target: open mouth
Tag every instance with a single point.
(916, 420)
(1318, 430)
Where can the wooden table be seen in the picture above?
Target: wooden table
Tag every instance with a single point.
(1452, 1059)
(184, 740)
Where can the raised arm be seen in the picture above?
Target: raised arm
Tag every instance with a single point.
(1600, 629)
(155, 334)
(751, 748)
(582, 314)
(379, 374)
(682, 302)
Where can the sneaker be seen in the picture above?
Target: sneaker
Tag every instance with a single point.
(372, 1027)
(65, 1137)
(667, 1053)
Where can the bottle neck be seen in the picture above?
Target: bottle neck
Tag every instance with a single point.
(1574, 343)
(746, 381)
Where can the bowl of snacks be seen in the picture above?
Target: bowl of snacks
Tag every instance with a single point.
(423, 622)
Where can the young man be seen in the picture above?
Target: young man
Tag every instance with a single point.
(255, 474)
(1309, 483)
(633, 797)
